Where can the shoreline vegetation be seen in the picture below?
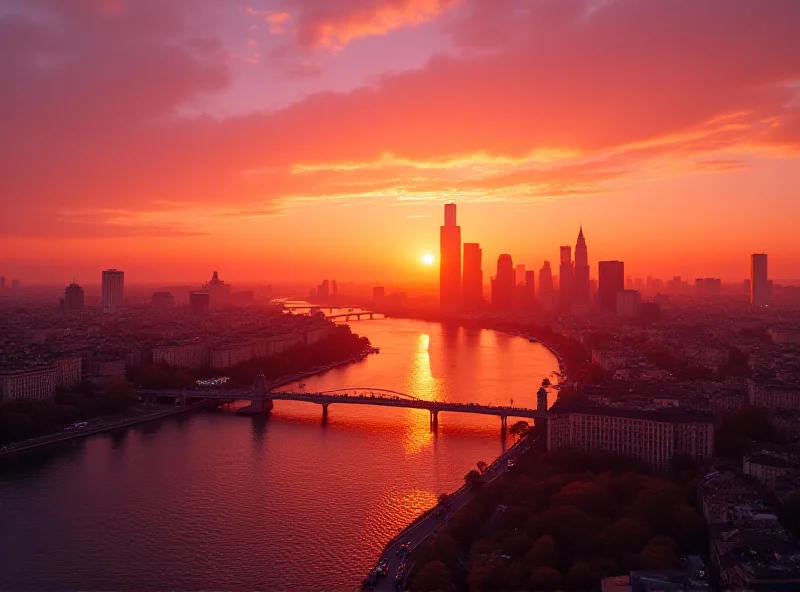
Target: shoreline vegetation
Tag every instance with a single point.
(118, 406)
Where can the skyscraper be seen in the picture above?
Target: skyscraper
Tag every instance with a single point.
(472, 288)
(759, 282)
(113, 290)
(565, 277)
(503, 284)
(450, 259)
(612, 281)
(530, 289)
(219, 293)
(519, 275)
(547, 293)
(73, 298)
(580, 280)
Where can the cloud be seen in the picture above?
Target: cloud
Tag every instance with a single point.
(334, 24)
(540, 99)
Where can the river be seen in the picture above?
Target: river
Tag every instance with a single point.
(214, 500)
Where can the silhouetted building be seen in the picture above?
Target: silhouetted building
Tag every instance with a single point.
(519, 275)
(708, 286)
(200, 302)
(378, 293)
(219, 292)
(2, 283)
(113, 290)
(759, 282)
(629, 303)
(334, 288)
(611, 282)
(650, 312)
(242, 298)
(565, 278)
(162, 300)
(73, 298)
(530, 289)
(547, 292)
(450, 259)
(16, 285)
(503, 284)
(472, 289)
(580, 280)
(323, 290)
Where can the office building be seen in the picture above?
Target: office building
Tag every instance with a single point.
(580, 279)
(653, 436)
(378, 293)
(16, 285)
(73, 298)
(565, 278)
(219, 293)
(519, 275)
(759, 282)
(163, 300)
(323, 290)
(334, 289)
(33, 384)
(629, 303)
(472, 286)
(611, 276)
(503, 284)
(547, 292)
(529, 289)
(200, 302)
(113, 290)
(450, 259)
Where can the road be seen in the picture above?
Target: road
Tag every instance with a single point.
(421, 531)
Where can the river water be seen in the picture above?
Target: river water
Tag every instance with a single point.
(213, 500)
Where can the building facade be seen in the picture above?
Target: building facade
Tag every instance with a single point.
(113, 290)
(759, 280)
(73, 298)
(503, 284)
(68, 371)
(547, 292)
(35, 384)
(580, 280)
(472, 286)
(450, 260)
(611, 276)
(565, 278)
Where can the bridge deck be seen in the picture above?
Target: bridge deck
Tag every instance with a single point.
(382, 401)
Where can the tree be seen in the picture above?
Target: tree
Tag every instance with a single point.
(544, 552)
(119, 397)
(433, 577)
(742, 425)
(545, 578)
(580, 576)
(519, 429)
(473, 479)
(789, 513)
(482, 466)
(660, 553)
(444, 499)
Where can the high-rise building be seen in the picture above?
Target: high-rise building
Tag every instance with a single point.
(450, 259)
(472, 287)
(530, 289)
(759, 281)
(73, 298)
(565, 277)
(547, 293)
(323, 290)
(16, 285)
(629, 303)
(334, 288)
(503, 284)
(611, 282)
(378, 293)
(2, 283)
(219, 293)
(113, 290)
(519, 275)
(580, 280)
(200, 302)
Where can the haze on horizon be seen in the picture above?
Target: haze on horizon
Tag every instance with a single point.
(299, 139)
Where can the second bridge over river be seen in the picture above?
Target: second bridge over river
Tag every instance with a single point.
(262, 400)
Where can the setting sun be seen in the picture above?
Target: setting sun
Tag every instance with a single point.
(427, 259)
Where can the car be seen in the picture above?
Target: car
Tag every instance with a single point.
(510, 463)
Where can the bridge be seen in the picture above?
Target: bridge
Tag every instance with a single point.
(262, 400)
(352, 313)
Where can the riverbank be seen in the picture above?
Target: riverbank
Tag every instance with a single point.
(99, 428)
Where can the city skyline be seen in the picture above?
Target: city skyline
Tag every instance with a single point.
(256, 140)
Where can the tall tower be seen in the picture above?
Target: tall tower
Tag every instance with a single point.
(73, 298)
(612, 281)
(580, 280)
(503, 284)
(759, 282)
(547, 293)
(472, 288)
(450, 259)
(113, 290)
(565, 278)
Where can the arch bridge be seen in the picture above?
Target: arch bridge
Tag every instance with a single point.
(262, 400)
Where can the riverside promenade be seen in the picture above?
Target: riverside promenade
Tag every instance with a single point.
(424, 528)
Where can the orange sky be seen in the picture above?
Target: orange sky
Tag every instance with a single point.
(294, 139)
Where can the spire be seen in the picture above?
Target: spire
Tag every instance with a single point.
(580, 234)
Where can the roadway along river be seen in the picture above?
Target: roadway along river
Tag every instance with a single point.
(219, 501)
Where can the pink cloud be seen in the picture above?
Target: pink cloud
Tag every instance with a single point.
(92, 110)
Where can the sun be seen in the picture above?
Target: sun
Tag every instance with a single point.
(427, 259)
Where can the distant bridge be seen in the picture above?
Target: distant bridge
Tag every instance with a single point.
(262, 399)
(352, 313)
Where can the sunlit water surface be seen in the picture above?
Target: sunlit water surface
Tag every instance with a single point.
(220, 501)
